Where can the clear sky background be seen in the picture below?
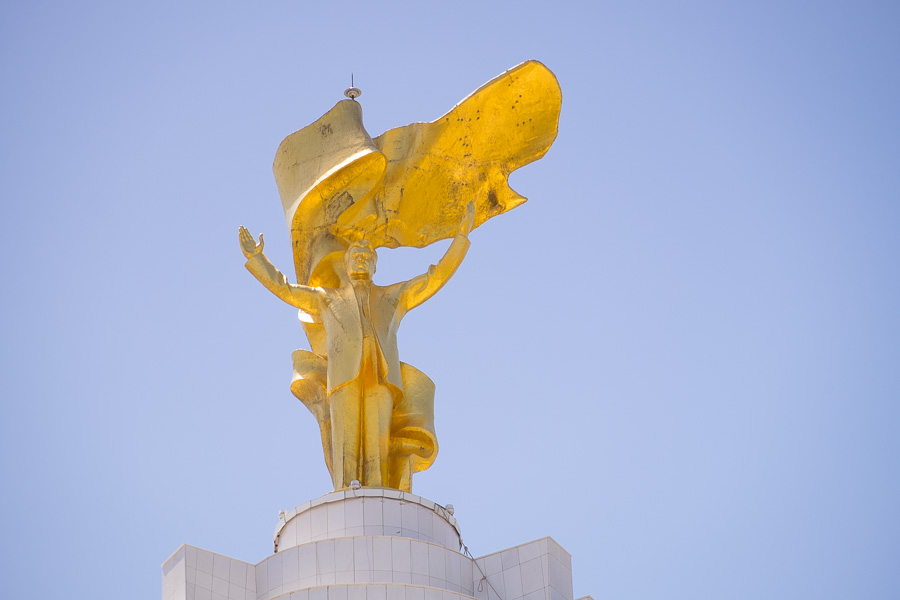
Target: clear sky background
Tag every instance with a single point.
(679, 358)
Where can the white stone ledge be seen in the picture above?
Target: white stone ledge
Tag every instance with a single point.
(366, 512)
(363, 591)
(364, 560)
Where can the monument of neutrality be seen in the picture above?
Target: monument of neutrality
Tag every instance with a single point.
(344, 195)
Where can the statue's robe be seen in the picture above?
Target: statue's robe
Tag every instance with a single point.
(413, 442)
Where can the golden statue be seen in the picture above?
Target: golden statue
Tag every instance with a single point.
(345, 194)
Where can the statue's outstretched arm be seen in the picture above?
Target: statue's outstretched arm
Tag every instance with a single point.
(418, 290)
(309, 299)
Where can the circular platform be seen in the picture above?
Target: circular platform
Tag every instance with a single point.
(367, 512)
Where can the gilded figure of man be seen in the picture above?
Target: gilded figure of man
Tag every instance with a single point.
(363, 380)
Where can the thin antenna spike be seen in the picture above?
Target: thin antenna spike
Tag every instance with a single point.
(352, 92)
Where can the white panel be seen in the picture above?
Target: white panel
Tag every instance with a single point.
(325, 558)
(452, 567)
(396, 592)
(220, 586)
(437, 566)
(288, 537)
(466, 574)
(419, 561)
(238, 573)
(392, 520)
(356, 592)
(318, 522)
(204, 580)
(532, 576)
(403, 577)
(202, 594)
(174, 581)
(372, 513)
(376, 592)
(529, 551)
(290, 571)
(556, 574)
(335, 514)
(251, 578)
(307, 582)
(512, 580)
(438, 528)
(303, 526)
(545, 568)
(409, 518)
(362, 553)
(344, 577)
(236, 592)
(306, 561)
(343, 554)
(337, 592)
(382, 554)
(382, 576)
(221, 567)
(400, 554)
(415, 593)
(425, 525)
(509, 558)
(567, 583)
(499, 589)
(492, 564)
(205, 562)
(274, 572)
(353, 512)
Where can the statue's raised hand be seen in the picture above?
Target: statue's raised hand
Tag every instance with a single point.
(248, 244)
(465, 226)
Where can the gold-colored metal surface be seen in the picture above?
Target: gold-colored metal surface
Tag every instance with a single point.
(345, 194)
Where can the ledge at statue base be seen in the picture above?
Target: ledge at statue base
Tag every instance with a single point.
(371, 544)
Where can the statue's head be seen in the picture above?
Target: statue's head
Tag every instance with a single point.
(360, 259)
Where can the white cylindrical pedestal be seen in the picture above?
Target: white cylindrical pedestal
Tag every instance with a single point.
(367, 512)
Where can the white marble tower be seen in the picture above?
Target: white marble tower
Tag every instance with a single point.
(371, 544)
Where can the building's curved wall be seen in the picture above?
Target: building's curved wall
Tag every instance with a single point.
(363, 560)
(372, 592)
(367, 512)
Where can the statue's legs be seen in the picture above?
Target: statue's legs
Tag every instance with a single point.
(346, 413)
(377, 407)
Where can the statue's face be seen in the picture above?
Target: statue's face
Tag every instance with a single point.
(360, 262)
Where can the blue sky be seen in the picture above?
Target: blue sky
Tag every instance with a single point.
(679, 358)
